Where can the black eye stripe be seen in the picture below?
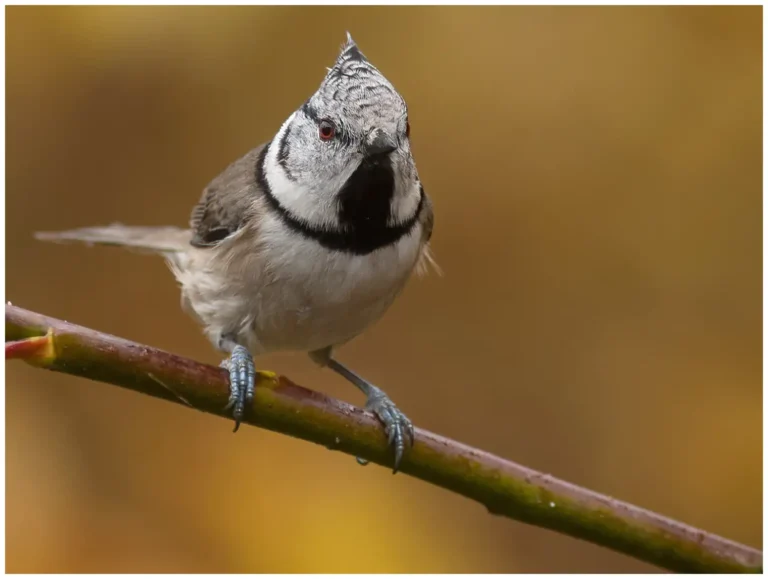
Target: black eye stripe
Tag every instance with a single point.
(310, 111)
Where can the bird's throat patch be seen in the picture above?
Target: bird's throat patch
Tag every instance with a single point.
(366, 198)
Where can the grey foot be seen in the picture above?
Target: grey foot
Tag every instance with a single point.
(398, 428)
(242, 382)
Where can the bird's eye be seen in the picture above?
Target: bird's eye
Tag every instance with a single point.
(407, 129)
(327, 130)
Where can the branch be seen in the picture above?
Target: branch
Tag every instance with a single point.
(503, 487)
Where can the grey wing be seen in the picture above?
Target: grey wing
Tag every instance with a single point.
(226, 202)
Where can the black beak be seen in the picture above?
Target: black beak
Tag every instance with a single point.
(379, 143)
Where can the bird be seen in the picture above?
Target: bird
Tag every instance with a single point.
(305, 241)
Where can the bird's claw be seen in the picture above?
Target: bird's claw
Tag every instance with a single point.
(397, 426)
(242, 382)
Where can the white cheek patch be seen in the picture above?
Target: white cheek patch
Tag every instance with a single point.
(404, 204)
(306, 203)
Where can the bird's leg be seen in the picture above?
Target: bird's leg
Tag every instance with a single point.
(396, 424)
(242, 378)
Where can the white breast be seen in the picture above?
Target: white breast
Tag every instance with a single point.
(311, 297)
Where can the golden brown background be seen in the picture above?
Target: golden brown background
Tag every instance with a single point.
(596, 175)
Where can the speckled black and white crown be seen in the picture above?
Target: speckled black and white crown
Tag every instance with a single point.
(356, 87)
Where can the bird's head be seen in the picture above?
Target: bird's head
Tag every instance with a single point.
(346, 149)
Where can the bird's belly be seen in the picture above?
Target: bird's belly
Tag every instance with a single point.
(316, 297)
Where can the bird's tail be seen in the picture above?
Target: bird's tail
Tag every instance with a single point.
(163, 240)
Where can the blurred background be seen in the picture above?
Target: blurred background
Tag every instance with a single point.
(596, 176)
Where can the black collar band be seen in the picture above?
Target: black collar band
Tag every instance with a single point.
(361, 232)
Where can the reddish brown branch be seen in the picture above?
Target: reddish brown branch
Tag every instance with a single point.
(505, 488)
